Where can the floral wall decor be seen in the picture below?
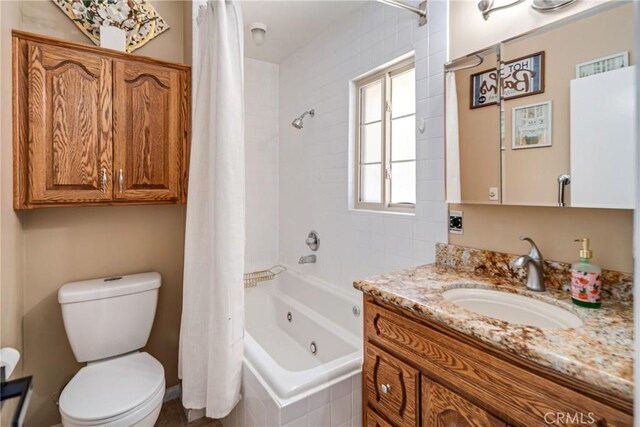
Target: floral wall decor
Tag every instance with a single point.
(137, 18)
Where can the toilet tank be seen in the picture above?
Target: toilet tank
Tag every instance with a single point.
(109, 316)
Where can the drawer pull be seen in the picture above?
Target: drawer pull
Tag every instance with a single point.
(386, 388)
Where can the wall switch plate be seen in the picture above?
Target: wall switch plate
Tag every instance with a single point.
(455, 222)
(493, 194)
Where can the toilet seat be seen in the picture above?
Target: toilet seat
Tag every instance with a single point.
(118, 392)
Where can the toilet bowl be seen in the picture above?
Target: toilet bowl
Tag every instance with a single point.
(125, 391)
(107, 321)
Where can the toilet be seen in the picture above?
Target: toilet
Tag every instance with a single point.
(107, 322)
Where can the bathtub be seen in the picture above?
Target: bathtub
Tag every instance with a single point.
(301, 335)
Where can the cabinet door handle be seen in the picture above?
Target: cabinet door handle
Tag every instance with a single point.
(120, 180)
(563, 181)
(104, 180)
(385, 388)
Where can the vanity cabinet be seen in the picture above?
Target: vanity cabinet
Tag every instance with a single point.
(419, 373)
(97, 127)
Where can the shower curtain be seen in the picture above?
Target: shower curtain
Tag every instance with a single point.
(452, 152)
(212, 328)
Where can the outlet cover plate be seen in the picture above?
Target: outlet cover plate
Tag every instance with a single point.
(455, 222)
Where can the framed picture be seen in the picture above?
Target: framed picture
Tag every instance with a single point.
(602, 65)
(523, 76)
(484, 88)
(138, 19)
(531, 126)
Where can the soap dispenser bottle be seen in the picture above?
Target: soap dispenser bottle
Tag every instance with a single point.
(585, 279)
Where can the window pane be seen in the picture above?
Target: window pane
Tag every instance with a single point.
(371, 143)
(403, 182)
(371, 102)
(403, 94)
(370, 179)
(403, 138)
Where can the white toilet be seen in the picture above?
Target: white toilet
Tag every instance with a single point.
(107, 321)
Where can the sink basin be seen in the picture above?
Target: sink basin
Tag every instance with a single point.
(512, 308)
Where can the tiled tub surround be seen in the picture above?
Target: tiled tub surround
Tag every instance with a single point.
(302, 355)
(599, 353)
(336, 404)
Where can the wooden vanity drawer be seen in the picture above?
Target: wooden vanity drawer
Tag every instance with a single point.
(513, 389)
(391, 386)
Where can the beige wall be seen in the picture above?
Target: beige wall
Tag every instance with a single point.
(11, 247)
(498, 227)
(50, 247)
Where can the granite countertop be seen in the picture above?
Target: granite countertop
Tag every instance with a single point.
(600, 352)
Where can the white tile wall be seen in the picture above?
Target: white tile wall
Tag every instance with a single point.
(314, 178)
(336, 405)
(261, 136)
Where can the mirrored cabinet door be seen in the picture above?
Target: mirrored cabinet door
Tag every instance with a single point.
(556, 127)
(537, 71)
(478, 119)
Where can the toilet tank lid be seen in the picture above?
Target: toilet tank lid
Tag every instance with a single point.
(108, 287)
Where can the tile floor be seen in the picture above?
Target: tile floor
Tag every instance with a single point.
(172, 415)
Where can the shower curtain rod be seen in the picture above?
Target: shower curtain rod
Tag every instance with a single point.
(465, 67)
(421, 10)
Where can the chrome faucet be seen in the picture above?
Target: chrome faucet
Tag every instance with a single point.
(534, 262)
(308, 259)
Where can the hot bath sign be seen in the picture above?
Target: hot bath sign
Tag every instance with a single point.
(523, 76)
(520, 77)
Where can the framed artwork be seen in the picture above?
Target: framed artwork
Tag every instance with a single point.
(137, 18)
(602, 65)
(532, 126)
(484, 88)
(523, 76)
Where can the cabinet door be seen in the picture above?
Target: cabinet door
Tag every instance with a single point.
(391, 387)
(443, 408)
(69, 125)
(147, 135)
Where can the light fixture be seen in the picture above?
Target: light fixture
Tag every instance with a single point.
(486, 7)
(550, 5)
(258, 32)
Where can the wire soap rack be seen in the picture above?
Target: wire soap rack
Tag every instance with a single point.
(252, 279)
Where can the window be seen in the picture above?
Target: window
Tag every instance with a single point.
(386, 139)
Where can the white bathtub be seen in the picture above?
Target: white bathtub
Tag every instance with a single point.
(283, 317)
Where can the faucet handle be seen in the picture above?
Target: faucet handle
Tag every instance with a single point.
(534, 252)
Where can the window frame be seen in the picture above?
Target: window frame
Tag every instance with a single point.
(384, 76)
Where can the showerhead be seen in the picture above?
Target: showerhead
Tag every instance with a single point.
(297, 122)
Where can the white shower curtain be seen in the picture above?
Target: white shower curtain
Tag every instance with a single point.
(212, 329)
(452, 153)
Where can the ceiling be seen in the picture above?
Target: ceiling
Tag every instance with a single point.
(291, 24)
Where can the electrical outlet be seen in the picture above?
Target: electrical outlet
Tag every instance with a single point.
(493, 194)
(455, 222)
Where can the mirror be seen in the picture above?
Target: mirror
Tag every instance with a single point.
(471, 85)
(560, 129)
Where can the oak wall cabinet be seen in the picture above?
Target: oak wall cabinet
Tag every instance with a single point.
(97, 127)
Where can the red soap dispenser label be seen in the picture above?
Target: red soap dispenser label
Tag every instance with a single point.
(585, 287)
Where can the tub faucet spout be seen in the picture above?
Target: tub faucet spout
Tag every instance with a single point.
(308, 259)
